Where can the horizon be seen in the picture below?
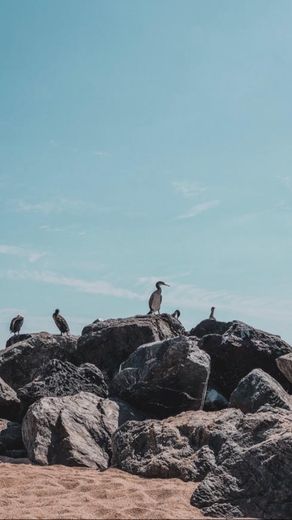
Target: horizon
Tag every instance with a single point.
(143, 142)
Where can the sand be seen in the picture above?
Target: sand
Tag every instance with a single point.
(50, 492)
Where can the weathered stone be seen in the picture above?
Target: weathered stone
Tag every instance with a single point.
(253, 477)
(214, 401)
(11, 444)
(241, 349)
(184, 446)
(17, 338)
(61, 378)
(74, 430)
(108, 343)
(20, 362)
(258, 389)
(242, 461)
(165, 377)
(284, 364)
(9, 402)
(210, 327)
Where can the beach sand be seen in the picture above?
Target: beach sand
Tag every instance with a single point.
(28, 491)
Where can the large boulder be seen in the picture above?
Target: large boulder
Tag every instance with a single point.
(9, 402)
(165, 377)
(74, 430)
(284, 364)
(184, 446)
(243, 462)
(20, 362)
(210, 327)
(11, 444)
(253, 474)
(238, 351)
(258, 389)
(61, 378)
(108, 343)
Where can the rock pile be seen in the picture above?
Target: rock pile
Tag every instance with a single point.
(211, 405)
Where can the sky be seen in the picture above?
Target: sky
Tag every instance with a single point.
(145, 140)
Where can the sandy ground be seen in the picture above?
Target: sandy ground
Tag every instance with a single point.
(50, 492)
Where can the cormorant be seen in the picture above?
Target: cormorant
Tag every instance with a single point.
(212, 317)
(156, 298)
(16, 324)
(61, 322)
(176, 314)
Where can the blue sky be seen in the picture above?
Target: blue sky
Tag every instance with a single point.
(145, 140)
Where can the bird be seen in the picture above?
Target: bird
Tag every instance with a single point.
(61, 322)
(176, 314)
(156, 298)
(16, 324)
(212, 317)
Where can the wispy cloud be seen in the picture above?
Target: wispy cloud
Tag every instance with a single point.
(86, 286)
(191, 297)
(100, 153)
(198, 209)
(188, 189)
(61, 205)
(22, 252)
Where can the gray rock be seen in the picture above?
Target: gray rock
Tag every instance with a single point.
(9, 402)
(11, 444)
(61, 378)
(258, 389)
(17, 338)
(165, 377)
(284, 364)
(74, 430)
(253, 476)
(242, 461)
(238, 351)
(108, 343)
(214, 401)
(20, 362)
(210, 327)
(184, 446)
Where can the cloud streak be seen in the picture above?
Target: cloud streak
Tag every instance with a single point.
(21, 252)
(198, 209)
(57, 206)
(188, 189)
(86, 286)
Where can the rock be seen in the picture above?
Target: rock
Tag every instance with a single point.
(9, 402)
(258, 389)
(241, 349)
(284, 364)
(108, 343)
(73, 430)
(210, 327)
(165, 377)
(184, 446)
(214, 401)
(17, 338)
(61, 378)
(11, 444)
(253, 476)
(243, 462)
(20, 362)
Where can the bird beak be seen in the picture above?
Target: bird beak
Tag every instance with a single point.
(167, 285)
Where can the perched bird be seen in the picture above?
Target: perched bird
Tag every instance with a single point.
(156, 298)
(16, 324)
(61, 322)
(212, 317)
(176, 314)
